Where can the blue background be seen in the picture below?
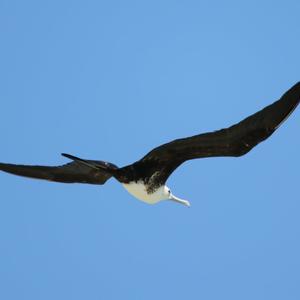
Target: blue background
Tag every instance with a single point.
(111, 80)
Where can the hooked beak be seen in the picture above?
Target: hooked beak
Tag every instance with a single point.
(178, 200)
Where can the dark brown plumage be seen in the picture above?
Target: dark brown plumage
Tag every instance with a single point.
(68, 173)
(155, 167)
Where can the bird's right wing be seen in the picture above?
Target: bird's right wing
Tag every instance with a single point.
(74, 172)
(236, 140)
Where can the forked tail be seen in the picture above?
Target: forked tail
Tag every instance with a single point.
(94, 164)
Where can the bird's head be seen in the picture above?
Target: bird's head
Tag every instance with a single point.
(169, 196)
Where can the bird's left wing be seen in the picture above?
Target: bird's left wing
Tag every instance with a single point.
(74, 172)
(236, 140)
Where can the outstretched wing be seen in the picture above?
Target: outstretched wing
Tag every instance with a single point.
(236, 140)
(74, 172)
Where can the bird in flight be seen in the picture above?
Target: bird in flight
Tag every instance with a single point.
(146, 178)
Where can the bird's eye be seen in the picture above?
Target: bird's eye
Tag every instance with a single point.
(169, 191)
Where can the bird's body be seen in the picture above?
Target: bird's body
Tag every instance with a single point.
(139, 190)
(145, 179)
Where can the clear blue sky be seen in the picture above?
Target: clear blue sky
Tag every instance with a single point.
(111, 80)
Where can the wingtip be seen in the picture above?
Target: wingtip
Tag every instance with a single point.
(295, 88)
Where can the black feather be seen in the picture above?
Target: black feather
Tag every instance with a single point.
(235, 141)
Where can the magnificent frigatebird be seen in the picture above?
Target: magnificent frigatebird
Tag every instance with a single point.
(145, 179)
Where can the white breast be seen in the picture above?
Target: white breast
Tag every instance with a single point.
(138, 190)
